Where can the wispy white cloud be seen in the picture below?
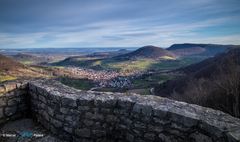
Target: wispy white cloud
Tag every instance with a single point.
(120, 23)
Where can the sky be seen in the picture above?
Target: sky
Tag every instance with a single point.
(117, 23)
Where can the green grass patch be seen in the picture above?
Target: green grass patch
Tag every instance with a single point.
(82, 84)
(131, 65)
(149, 81)
(6, 78)
(27, 62)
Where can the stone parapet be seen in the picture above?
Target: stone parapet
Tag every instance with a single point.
(78, 115)
(13, 100)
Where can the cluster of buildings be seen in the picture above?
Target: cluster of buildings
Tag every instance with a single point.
(104, 78)
(93, 74)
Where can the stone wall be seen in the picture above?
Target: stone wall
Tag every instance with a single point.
(13, 101)
(76, 115)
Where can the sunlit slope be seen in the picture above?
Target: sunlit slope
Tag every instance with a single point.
(11, 70)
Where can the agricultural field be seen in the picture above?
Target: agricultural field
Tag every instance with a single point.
(128, 66)
(82, 84)
(6, 78)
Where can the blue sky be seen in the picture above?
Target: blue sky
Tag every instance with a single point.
(117, 23)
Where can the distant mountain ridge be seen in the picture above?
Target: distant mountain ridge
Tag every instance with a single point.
(147, 52)
(199, 49)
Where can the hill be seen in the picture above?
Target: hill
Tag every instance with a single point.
(29, 58)
(8, 64)
(142, 59)
(11, 70)
(151, 52)
(214, 82)
(187, 49)
(108, 54)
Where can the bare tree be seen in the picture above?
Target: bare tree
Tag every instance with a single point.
(228, 80)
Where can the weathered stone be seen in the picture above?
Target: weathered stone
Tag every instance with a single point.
(121, 126)
(42, 106)
(64, 110)
(160, 113)
(89, 116)
(234, 135)
(60, 117)
(137, 133)
(160, 121)
(139, 125)
(129, 137)
(149, 136)
(155, 128)
(50, 111)
(53, 129)
(125, 104)
(1, 113)
(83, 108)
(98, 133)
(94, 116)
(68, 129)
(88, 122)
(56, 123)
(68, 102)
(83, 132)
(127, 121)
(14, 101)
(198, 137)
(111, 118)
(106, 110)
(105, 101)
(97, 125)
(70, 119)
(10, 110)
(42, 98)
(137, 108)
(46, 116)
(86, 101)
(3, 101)
(164, 138)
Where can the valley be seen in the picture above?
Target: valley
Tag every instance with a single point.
(209, 80)
(120, 70)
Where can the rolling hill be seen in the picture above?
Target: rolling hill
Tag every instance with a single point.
(151, 52)
(11, 70)
(8, 64)
(29, 58)
(108, 54)
(188, 49)
(214, 82)
(141, 59)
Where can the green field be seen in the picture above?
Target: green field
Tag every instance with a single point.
(131, 65)
(6, 78)
(82, 84)
(140, 85)
(149, 81)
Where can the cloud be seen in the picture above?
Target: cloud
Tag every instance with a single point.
(117, 23)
